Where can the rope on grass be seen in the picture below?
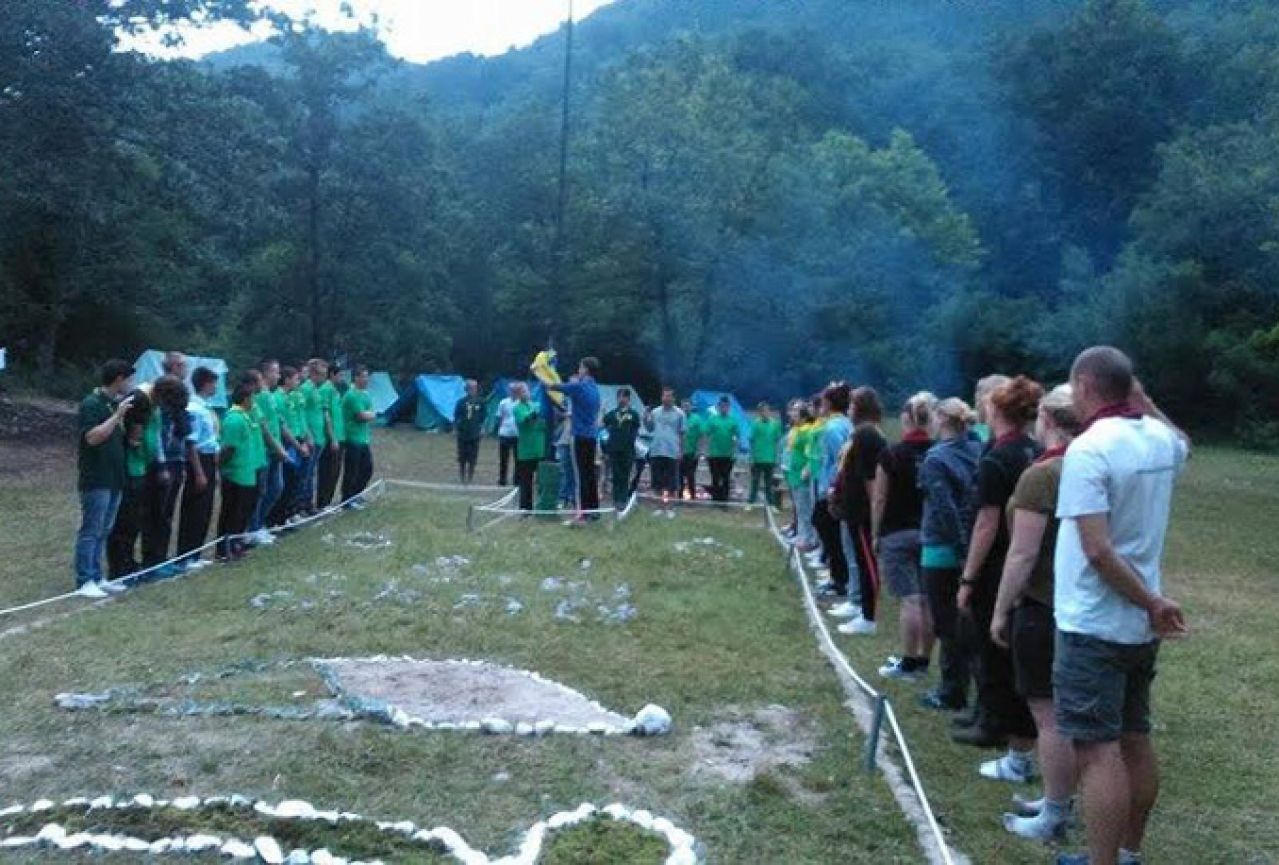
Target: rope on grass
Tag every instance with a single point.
(708, 503)
(133, 578)
(938, 847)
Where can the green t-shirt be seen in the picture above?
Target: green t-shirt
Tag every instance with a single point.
(532, 427)
(102, 466)
(721, 435)
(138, 457)
(801, 441)
(313, 406)
(693, 433)
(260, 452)
(332, 399)
(240, 433)
(297, 415)
(358, 432)
(765, 434)
(268, 410)
(815, 450)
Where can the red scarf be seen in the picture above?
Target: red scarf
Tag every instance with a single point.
(916, 437)
(1119, 409)
(1051, 454)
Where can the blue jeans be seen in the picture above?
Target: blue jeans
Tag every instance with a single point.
(306, 482)
(270, 486)
(98, 509)
(568, 480)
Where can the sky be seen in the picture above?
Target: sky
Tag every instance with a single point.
(416, 30)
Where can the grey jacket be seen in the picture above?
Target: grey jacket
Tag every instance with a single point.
(948, 478)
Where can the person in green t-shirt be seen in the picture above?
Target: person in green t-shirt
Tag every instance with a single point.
(721, 448)
(766, 434)
(357, 420)
(694, 432)
(799, 475)
(240, 458)
(271, 476)
(139, 453)
(531, 446)
(297, 444)
(334, 436)
(317, 372)
(101, 474)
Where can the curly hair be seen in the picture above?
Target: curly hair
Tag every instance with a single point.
(171, 396)
(1017, 401)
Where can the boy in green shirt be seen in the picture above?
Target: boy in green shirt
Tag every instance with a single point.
(317, 372)
(357, 422)
(293, 430)
(531, 446)
(243, 452)
(271, 477)
(766, 433)
(334, 434)
(721, 447)
(694, 432)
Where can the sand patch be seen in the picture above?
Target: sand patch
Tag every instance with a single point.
(456, 692)
(745, 744)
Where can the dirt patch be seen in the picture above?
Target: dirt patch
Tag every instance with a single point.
(455, 692)
(745, 744)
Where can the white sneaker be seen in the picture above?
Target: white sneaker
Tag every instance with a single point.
(1014, 769)
(844, 610)
(894, 669)
(858, 627)
(92, 590)
(198, 564)
(1040, 828)
(263, 537)
(112, 588)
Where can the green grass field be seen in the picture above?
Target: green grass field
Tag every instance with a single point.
(719, 636)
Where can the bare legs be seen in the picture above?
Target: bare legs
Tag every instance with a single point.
(1056, 755)
(1120, 783)
(916, 627)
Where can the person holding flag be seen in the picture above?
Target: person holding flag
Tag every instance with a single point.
(585, 412)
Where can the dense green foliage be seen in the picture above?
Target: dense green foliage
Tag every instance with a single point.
(761, 195)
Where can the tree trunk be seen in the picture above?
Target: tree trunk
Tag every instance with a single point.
(313, 263)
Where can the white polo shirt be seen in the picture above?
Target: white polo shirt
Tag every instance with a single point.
(1124, 468)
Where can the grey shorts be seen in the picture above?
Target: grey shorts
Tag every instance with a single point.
(1101, 690)
(899, 563)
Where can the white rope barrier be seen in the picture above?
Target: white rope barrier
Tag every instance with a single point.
(134, 577)
(832, 651)
(630, 507)
(677, 501)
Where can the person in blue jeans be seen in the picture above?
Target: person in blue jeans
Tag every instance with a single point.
(585, 413)
(102, 474)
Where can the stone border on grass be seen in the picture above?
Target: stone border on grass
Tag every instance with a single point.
(264, 848)
(652, 720)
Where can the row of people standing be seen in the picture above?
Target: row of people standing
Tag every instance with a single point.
(274, 458)
(1025, 538)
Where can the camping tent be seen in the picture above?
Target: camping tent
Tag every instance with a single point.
(150, 366)
(705, 401)
(430, 401)
(383, 391)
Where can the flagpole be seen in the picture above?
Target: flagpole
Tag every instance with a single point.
(557, 263)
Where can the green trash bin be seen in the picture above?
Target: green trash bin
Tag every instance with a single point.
(549, 475)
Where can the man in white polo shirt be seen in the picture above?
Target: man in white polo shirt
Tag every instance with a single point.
(1116, 493)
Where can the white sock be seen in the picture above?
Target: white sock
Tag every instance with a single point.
(1054, 810)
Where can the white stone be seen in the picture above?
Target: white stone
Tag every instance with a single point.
(269, 850)
(72, 842)
(524, 729)
(544, 727)
(163, 845)
(237, 849)
(682, 856)
(323, 857)
(298, 857)
(265, 808)
(597, 728)
(186, 803)
(101, 802)
(142, 800)
(200, 843)
(642, 819)
(110, 843)
(295, 809)
(41, 805)
(238, 801)
(450, 839)
(496, 726)
(11, 810)
(50, 833)
(652, 720)
(17, 841)
(404, 827)
(136, 845)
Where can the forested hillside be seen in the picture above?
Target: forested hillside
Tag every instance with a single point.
(762, 195)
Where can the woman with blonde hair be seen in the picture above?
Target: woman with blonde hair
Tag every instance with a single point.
(896, 510)
(1023, 616)
(946, 478)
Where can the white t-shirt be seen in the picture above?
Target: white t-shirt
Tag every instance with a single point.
(507, 428)
(668, 429)
(1124, 468)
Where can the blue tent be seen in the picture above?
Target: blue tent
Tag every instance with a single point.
(430, 401)
(704, 401)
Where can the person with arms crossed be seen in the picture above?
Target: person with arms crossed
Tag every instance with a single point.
(1116, 492)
